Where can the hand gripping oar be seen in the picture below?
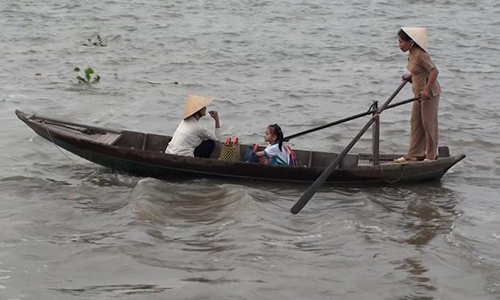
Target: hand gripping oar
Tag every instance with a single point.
(326, 173)
(354, 117)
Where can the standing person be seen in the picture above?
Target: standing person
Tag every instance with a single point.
(424, 115)
(190, 138)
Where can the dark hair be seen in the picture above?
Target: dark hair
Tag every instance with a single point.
(276, 130)
(404, 36)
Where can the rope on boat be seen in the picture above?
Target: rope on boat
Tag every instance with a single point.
(403, 167)
(52, 140)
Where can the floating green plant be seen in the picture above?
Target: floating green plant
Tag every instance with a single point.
(89, 76)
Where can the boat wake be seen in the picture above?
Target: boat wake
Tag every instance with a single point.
(182, 203)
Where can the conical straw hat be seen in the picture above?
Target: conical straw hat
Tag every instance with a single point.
(195, 103)
(418, 35)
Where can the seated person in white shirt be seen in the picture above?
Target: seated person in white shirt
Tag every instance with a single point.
(190, 138)
(275, 154)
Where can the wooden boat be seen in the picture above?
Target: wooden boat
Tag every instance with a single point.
(142, 154)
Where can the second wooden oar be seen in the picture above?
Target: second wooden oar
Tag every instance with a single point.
(326, 173)
(369, 112)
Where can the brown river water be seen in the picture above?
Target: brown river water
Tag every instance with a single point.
(70, 229)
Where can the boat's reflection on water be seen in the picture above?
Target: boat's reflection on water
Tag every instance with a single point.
(424, 213)
(428, 210)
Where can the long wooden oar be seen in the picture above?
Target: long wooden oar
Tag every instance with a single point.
(369, 112)
(326, 173)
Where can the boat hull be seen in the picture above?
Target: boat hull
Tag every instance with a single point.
(157, 164)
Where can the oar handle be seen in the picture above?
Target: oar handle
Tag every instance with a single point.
(354, 117)
(288, 138)
(304, 199)
(402, 102)
(386, 103)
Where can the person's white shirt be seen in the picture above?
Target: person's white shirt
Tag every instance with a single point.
(189, 135)
(276, 156)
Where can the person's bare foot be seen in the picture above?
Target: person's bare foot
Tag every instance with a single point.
(412, 158)
(405, 159)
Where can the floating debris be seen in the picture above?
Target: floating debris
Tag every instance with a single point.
(97, 42)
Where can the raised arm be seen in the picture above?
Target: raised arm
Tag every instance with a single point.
(213, 135)
(215, 115)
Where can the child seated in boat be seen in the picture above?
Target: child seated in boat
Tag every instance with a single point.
(275, 154)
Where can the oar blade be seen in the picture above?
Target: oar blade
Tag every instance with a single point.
(309, 193)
